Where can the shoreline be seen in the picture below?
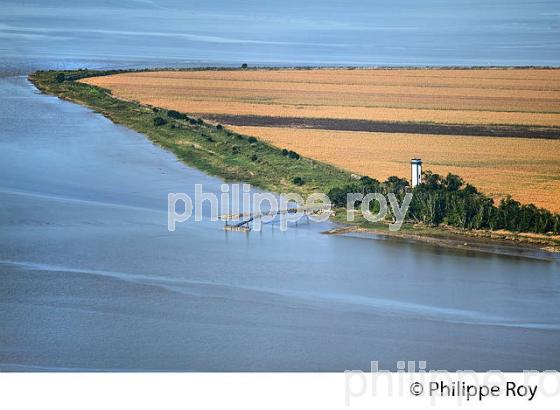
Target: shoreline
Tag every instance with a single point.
(457, 241)
(208, 147)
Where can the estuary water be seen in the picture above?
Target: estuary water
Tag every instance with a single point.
(287, 32)
(91, 279)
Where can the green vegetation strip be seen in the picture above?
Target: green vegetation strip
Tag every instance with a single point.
(210, 148)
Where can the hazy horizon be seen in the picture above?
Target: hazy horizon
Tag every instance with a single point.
(355, 33)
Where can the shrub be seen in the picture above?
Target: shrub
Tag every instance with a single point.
(298, 181)
(293, 155)
(175, 114)
(244, 65)
(235, 149)
(210, 139)
(158, 121)
(254, 157)
(192, 121)
(252, 140)
(219, 127)
(337, 195)
(285, 152)
(60, 77)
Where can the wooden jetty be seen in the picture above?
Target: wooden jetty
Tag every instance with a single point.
(241, 221)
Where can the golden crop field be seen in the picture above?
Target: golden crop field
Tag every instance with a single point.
(444, 96)
(526, 168)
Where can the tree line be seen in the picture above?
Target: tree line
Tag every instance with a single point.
(448, 200)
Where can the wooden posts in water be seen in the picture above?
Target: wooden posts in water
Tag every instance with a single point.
(242, 228)
(244, 219)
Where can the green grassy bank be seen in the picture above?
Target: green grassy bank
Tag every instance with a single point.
(210, 148)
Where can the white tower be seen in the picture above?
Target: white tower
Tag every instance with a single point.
(416, 168)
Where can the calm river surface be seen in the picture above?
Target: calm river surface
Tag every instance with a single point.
(90, 278)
